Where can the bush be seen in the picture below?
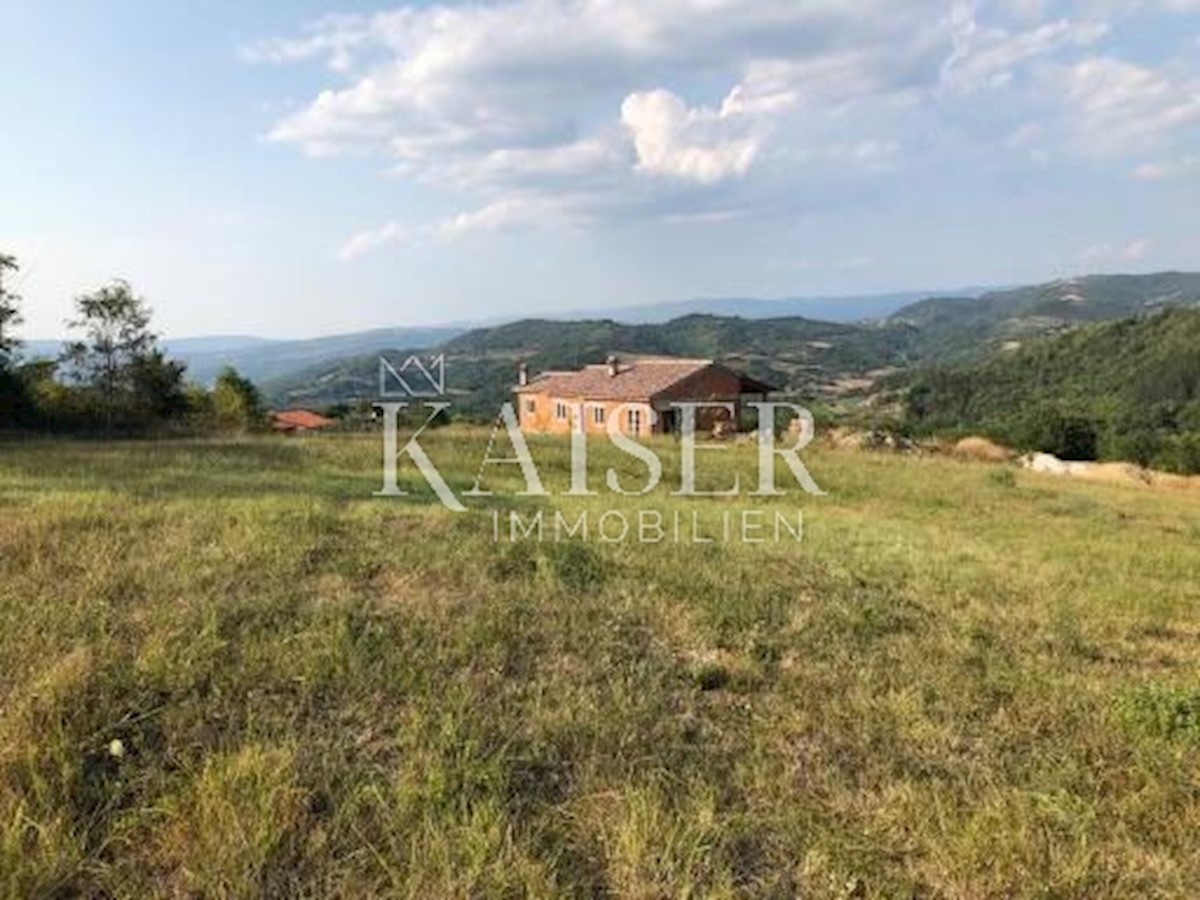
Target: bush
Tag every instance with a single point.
(1142, 447)
(13, 398)
(1067, 437)
(1180, 453)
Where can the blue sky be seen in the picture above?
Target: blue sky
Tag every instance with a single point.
(301, 168)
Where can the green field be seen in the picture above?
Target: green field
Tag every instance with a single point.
(966, 681)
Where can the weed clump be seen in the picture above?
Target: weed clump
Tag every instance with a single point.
(1003, 478)
(576, 567)
(1170, 712)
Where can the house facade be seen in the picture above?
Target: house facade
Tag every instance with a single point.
(637, 392)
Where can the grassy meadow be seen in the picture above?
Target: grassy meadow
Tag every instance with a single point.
(226, 670)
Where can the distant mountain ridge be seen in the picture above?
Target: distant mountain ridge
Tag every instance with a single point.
(262, 358)
(800, 353)
(846, 309)
(795, 354)
(958, 326)
(804, 357)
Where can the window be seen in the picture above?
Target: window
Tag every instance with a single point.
(633, 419)
(530, 405)
(597, 415)
(560, 410)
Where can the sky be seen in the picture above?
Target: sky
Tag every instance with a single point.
(308, 167)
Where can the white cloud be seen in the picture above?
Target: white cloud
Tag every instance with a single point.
(507, 99)
(1178, 168)
(707, 217)
(876, 155)
(532, 210)
(337, 38)
(366, 241)
(699, 144)
(471, 78)
(565, 163)
(989, 57)
(1116, 254)
(1135, 250)
(579, 111)
(1121, 107)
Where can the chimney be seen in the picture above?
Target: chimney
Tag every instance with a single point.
(522, 374)
(612, 365)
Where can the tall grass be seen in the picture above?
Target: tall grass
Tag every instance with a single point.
(226, 671)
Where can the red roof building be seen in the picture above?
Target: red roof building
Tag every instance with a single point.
(639, 391)
(297, 421)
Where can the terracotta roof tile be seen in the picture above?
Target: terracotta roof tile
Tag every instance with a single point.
(299, 418)
(636, 379)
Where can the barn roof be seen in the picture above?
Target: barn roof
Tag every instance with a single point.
(639, 378)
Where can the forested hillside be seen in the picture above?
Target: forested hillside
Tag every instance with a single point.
(1121, 390)
(800, 356)
(804, 357)
(946, 328)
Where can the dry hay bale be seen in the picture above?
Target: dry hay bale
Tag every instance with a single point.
(1171, 482)
(1047, 463)
(1117, 473)
(981, 449)
(1114, 473)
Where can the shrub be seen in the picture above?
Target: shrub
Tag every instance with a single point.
(1141, 446)
(1067, 437)
(1180, 453)
(577, 567)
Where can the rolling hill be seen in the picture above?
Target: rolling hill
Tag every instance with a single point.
(848, 308)
(809, 346)
(947, 327)
(1132, 385)
(804, 357)
(800, 356)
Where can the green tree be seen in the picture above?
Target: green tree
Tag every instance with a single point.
(236, 401)
(158, 389)
(13, 396)
(117, 339)
(10, 312)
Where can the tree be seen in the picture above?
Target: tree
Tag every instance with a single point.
(158, 390)
(117, 338)
(236, 401)
(13, 396)
(51, 405)
(10, 312)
